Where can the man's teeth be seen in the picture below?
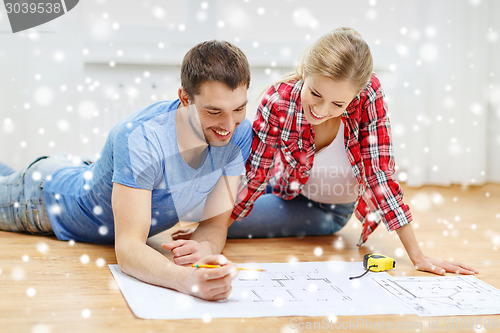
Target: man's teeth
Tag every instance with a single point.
(316, 115)
(221, 133)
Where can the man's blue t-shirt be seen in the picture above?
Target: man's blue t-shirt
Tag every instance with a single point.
(140, 152)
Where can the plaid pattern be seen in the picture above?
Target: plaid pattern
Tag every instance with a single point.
(283, 154)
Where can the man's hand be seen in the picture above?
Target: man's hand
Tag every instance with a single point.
(187, 252)
(183, 234)
(212, 284)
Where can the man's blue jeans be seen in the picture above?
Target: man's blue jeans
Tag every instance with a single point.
(22, 206)
(274, 217)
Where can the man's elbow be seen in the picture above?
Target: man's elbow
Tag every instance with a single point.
(123, 256)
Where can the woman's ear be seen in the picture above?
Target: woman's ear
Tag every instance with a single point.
(183, 96)
(303, 72)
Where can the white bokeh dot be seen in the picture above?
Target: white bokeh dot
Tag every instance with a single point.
(278, 302)
(399, 252)
(17, 273)
(8, 125)
(492, 36)
(430, 31)
(371, 14)
(402, 50)
(421, 201)
(87, 109)
(159, 12)
(429, 52)
(41, 328)
(97, 210)
(84, 259)
(31, 292)
(206, 318)
(100, 262)
(42, 247)
(63, 125)
(44, 95)
(55, 209)
(86, 313)
(292, 259)
(36, 176)
(59, 56)
(103, 230)
(237, 17)
(312, 287)
(302, 17)
(476, 108)
(356, 283)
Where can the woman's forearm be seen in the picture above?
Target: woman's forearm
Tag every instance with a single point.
(213, 235)
(407, 237)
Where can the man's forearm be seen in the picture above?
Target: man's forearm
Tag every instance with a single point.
(146, 264)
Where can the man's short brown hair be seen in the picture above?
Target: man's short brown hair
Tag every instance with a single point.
(214, 61)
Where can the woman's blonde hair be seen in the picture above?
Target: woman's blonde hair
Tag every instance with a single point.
(340, 55)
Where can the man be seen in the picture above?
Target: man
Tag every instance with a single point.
(156, 166)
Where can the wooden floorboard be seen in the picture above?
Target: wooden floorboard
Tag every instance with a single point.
(51, 286)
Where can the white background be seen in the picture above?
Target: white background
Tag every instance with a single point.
(63, 85)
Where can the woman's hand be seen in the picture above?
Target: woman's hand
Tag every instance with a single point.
(212, 284)
(440, 267)
(424, 263)
(187, 252)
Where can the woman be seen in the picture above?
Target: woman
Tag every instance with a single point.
(322, 140)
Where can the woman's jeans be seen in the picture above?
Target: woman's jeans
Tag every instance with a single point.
(22, 206)
(274, 217)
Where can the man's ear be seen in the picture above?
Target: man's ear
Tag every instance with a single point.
(183, 96)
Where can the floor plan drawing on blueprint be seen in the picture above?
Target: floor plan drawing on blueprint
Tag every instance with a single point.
(444, 295)
(283, 289)
(291, 286)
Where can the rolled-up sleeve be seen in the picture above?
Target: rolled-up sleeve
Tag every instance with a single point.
(378, 158)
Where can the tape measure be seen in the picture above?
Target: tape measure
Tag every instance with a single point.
(376, 263)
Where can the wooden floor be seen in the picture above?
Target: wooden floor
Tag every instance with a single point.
(52, 286)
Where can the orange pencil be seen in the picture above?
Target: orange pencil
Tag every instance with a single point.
(217, 266)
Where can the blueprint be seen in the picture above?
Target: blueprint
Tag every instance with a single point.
(444, 295)
(284, 289)
(316, 289)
